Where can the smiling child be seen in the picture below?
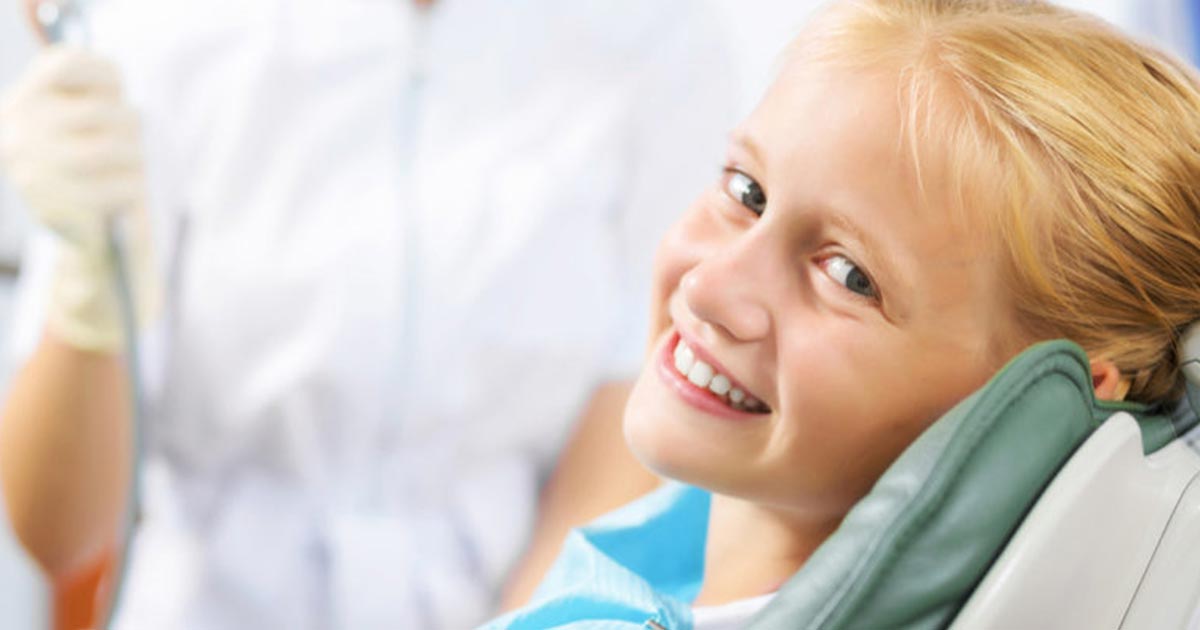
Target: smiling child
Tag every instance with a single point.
(928, 188)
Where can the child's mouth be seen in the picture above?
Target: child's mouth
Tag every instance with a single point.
(704, 376)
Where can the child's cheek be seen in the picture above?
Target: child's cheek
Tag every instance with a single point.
(683, 247)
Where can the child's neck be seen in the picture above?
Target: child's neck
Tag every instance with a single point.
(752, 550)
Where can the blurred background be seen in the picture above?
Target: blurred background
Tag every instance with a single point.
(757, 29)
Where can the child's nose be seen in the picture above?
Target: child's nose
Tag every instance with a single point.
(725, 292)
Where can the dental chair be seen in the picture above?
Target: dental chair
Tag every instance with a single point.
(1029, 505)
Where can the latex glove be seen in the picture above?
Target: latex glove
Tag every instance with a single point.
(72, 148)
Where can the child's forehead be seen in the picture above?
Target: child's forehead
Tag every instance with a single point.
(875, 120)
(807, 94)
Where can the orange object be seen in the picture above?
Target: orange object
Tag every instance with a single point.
(80, 598)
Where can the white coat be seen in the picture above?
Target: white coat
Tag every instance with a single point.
(385, 311)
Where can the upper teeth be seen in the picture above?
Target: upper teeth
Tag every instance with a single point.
(702, 374)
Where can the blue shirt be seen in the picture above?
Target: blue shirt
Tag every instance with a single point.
(638, 566)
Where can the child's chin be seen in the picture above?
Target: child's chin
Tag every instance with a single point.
(667, 455)
(652, 444)
(667, 444)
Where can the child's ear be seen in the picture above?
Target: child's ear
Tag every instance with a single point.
(1107, 381)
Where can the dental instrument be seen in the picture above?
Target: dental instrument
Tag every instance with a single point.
(62, 21)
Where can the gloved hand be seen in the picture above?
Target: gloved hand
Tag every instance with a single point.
(72, 148)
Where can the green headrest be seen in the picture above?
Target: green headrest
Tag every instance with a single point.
(909, 554)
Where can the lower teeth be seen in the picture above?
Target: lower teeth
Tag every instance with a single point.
(750, 405)
(742, 406)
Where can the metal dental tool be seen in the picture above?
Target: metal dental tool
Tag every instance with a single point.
(61, 21)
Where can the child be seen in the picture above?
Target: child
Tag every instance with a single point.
(929, 187)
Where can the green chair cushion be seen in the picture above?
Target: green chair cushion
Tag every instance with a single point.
(909, 554)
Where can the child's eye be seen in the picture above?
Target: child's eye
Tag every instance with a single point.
(744, 190)
(850, 276)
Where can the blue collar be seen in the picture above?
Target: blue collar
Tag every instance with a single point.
(643, 563)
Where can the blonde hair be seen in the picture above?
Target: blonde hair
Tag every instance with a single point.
(1083, 147)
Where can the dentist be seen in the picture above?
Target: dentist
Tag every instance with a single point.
(388, 254)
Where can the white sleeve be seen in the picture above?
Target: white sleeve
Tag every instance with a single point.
(685, 105)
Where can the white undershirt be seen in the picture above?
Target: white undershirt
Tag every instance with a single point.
(731, 616)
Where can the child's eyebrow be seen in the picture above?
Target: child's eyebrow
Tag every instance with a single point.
(740, 139)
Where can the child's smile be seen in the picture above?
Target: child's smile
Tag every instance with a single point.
(705, 383)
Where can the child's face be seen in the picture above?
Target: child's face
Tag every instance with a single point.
(816, 277)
